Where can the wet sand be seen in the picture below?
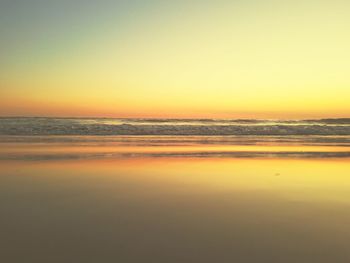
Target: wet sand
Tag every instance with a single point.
(183, 208)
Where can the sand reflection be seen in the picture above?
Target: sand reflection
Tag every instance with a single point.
(175, 210)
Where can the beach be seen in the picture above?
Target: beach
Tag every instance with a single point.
(174, 199)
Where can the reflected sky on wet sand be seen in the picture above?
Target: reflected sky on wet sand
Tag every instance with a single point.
(183, 209)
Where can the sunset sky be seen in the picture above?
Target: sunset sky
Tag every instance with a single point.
(187, 59)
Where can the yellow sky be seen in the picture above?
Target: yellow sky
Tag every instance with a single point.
(248, 59)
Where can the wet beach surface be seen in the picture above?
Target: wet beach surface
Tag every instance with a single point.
(174, 199)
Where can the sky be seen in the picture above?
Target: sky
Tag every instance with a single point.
(175, 59)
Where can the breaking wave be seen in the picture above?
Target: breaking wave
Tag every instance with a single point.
(208, 127)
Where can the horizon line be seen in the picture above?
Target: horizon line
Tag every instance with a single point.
(166, 118)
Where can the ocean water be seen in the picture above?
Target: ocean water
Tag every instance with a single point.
(90, 126)
(169, 191)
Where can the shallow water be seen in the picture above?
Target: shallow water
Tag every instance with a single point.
(174, 199)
